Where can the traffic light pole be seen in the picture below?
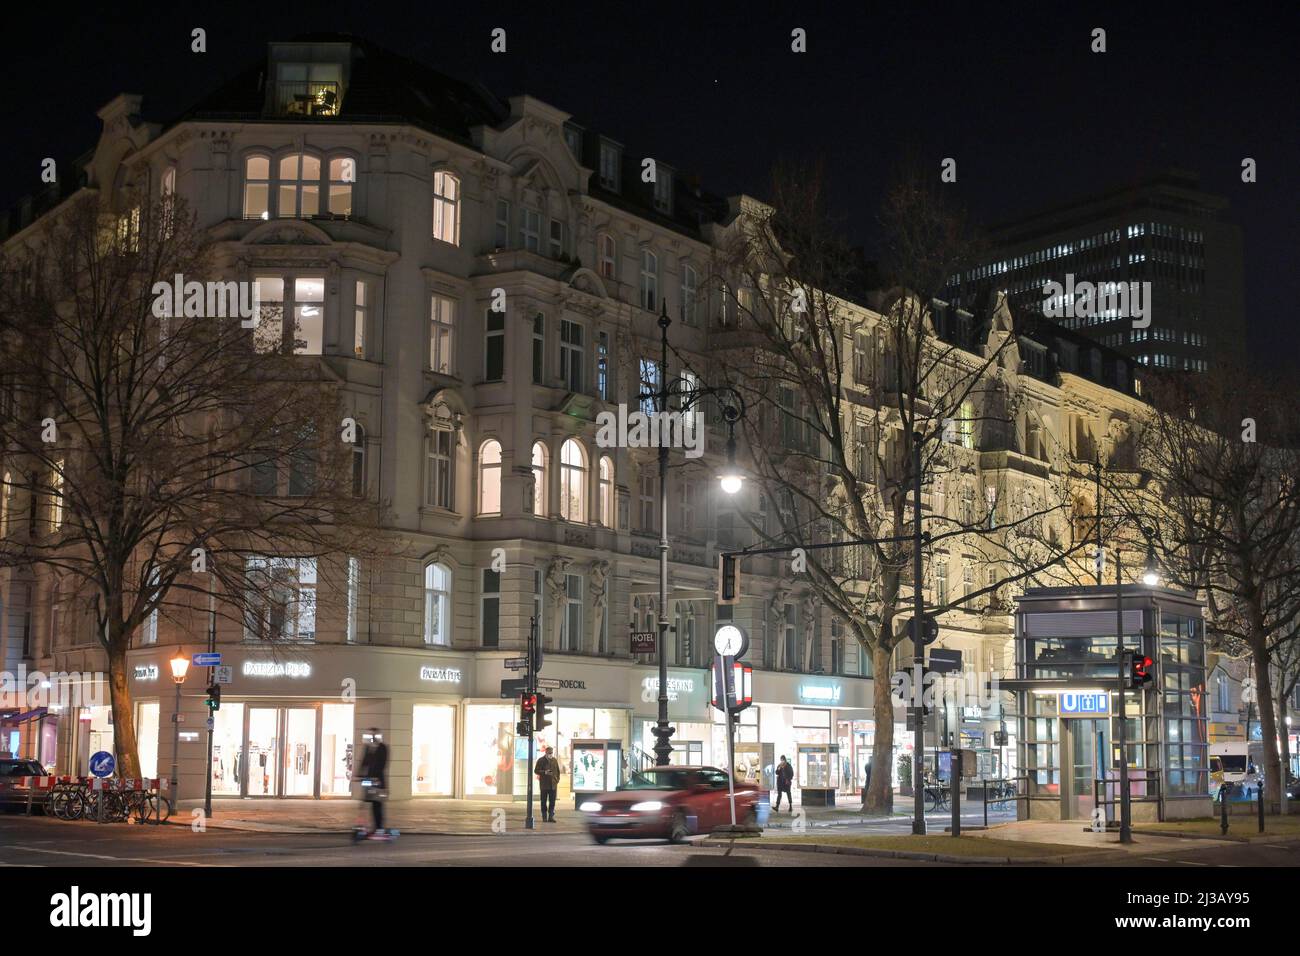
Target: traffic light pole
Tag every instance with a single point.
(532, 689)
(918, 648)
(212, 677)
(1125, 819)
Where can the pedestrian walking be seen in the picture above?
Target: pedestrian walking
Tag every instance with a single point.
(548, 780)
(784, 774)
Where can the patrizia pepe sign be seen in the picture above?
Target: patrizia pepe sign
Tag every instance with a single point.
(440, 675)
(276, 669)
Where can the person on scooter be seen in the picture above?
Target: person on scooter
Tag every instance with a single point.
(374, 766)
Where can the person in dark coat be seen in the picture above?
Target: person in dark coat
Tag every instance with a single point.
(548, 781)
(374, 765)
(784, 775)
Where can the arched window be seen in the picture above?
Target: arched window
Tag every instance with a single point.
(359, 462)
(607, 491)
(343, 173)
(539, 479)
(299, 186)
(257, 187)
(489, 478)
(607, 255)
(437, 604)
(446, 207)
(573, 481)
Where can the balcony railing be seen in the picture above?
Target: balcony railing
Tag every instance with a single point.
(308, 98)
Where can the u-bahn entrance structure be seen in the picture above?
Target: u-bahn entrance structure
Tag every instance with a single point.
(1067, 687)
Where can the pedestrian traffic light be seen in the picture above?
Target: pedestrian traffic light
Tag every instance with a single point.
(522, 729)
(1139, 669)
(728, 579)
(541, 711)
(214, 697)
(527, 704)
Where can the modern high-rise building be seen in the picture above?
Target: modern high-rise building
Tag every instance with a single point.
(1163, 238)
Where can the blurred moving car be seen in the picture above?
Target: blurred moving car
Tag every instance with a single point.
(14, 795)
(670, 803)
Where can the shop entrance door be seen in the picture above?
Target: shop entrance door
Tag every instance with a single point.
(1088, 744)
(263, 752)
(300, 752)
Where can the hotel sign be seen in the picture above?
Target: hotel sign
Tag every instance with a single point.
(1089, 704)
(440, 675)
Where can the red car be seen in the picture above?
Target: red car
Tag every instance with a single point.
(670, 803)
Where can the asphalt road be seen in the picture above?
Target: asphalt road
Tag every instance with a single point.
(40, 842)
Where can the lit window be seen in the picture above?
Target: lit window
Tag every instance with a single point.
(539, 480)
(168, 197)
(343, 173)
(299, 185)
(437, 604)
(359, 320)
(607, 492)
(446, 207)
(150, 634)
(354, 596)
(257, 187)
(489, 478)
(573, 481)
(606, 254)
(442, 339)
(56, 495)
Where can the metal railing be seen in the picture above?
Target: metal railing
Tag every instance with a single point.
(1106, 793)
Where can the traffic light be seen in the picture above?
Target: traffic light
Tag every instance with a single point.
(728, 579)
(541, 711)
(527, 707)
(1139, 669)
(214, 697)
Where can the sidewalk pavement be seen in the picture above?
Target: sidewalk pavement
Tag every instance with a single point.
(429, 816)
(1075, 833)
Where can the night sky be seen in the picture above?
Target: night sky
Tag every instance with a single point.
(1013, 93)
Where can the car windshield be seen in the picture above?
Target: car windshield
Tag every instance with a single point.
(667, 778)
(1233, 763)
(20, 768)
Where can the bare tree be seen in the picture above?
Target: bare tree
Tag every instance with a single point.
(841, 395)
(1220, 453)
(167, 456)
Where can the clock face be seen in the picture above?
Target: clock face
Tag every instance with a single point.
(728, 640)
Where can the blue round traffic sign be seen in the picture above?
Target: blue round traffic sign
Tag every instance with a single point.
(102, 764)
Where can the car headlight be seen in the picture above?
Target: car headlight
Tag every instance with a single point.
(647, 806)
(589, 806)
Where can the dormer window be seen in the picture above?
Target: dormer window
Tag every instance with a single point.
(663, 198)
(611, 159)
(573, 140)
(309, 89)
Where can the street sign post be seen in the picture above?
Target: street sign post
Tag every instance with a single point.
(516, 663)
(513, 687)
(225, 674)
(102, 764)
(207, 659)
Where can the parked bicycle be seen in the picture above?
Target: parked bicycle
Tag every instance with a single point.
(1002, 795)
(936, 798)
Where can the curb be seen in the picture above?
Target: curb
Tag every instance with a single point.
(1221, 838)
(902, 854)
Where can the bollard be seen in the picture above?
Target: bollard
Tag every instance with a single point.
(986, 804)
(1260, 793)
(99, 785)
(1223, 810)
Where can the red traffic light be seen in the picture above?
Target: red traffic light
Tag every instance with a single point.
(528, 703)
(1140, 669)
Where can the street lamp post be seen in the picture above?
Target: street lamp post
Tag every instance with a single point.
(731, 481)
(180, 667)
(1149, 578)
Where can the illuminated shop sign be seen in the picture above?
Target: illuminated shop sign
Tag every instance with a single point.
(440, 675)
(146, 672)
(676, 685)
(276, 669)
(1090, 704)
(820, 693)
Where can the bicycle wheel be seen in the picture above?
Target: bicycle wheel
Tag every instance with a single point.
(152, 806)
(931, 800)
(56, 803)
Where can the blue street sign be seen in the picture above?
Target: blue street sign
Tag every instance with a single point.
(1094, 704)
(102, 764)
(207, 660)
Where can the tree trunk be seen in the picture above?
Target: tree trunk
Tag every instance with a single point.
(1267, 714)
(124, 740)
(880, 795)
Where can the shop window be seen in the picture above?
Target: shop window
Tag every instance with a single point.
(437, 605)
(433, 750)
(490, 762)
(146, 735)
(491, 601)
(338, 757)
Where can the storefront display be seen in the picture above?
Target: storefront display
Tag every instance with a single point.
(146, 735)
(489, 750)
(337, 751)
(817, 772)
(433, 750)
(596, 766)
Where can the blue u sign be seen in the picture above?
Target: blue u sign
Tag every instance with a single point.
(1094, 704)
(102, 764)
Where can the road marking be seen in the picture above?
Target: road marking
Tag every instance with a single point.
(1158, 859)
(101, 856)
(1192, 863)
